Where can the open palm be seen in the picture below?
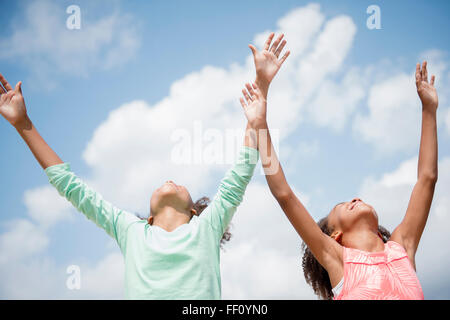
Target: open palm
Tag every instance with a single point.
(267, 61)
(426, 90)
(12, 104)
(255, 106)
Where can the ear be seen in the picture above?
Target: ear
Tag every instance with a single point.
(337, 235)
(194, 212)
(150, 220)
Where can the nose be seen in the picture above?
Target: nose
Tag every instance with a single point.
(170, 181)
(355, 199)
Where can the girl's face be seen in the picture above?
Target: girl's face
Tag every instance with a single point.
(346, 215)
(171, 195)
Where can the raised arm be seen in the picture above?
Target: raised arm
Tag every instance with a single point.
(410, 230)
(13, 109)
(113, 220)
(232, 187)
(327, 251)
(267, 63)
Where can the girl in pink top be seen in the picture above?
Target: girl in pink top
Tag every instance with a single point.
(348, 255)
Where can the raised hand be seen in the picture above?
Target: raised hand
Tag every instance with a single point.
(12, 104)
(426, 90)
(255, 106)
(267, 61)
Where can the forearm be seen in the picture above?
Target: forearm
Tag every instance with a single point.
(250, 138)
(263, 85)
(325, 250)
(40, 149)
(274, 173)
(428, 152)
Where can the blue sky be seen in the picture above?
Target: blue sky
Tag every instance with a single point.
(154, 44)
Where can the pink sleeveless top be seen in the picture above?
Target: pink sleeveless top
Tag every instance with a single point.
(387, 275)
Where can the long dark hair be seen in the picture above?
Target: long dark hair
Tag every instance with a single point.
(316, 275)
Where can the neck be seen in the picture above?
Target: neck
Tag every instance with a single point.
(169, 219)
(364, 239)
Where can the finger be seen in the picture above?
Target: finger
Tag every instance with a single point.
(246, 96)
(8, 96)
(276, 43)
(250, 90)
(277, 53)
(5, 83)
(268, 41)
(253, 48)
(418, 73)
(433, 77)
(283, 58)
(424, 71)
(257, 91)
(242, 103)
(18, 87)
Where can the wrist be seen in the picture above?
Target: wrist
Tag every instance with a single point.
(23, 123)
(263, 85)
(259, 124)
(429, 107)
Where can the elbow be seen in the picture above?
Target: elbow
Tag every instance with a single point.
(430, 178)
(282, 196)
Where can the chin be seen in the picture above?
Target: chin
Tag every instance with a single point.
(168, 189)
(366, 209)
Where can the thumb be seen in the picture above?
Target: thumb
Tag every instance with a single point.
(19, 87)
(254, 50)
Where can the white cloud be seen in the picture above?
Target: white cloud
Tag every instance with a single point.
(40, 277)
(104, 280)
(263, 258)
(41, 40)
(46, 206)
(251, 271)
(21, 240)
(392, 123)
(311, 70)
(335, 102)
(329, 51)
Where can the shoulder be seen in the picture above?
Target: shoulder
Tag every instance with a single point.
(127, 219)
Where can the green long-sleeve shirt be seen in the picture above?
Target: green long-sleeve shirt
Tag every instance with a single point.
(182, 264)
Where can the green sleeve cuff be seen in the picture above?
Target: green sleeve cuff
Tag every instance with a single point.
(57, 169)
(248, 155)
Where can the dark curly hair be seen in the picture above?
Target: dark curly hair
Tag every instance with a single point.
(316, 275)
(199, 206)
